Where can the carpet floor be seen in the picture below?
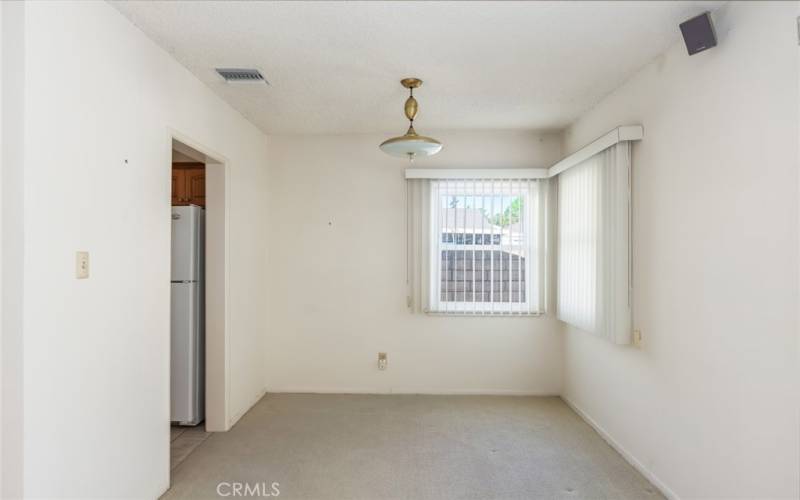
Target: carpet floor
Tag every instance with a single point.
(315, 446)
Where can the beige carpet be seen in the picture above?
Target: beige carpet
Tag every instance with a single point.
(421, 447)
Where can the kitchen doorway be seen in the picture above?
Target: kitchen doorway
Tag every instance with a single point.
(199, 371)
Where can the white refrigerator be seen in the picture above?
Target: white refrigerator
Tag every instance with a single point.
(187, 381)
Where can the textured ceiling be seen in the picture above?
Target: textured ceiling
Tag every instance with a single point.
(334, 67)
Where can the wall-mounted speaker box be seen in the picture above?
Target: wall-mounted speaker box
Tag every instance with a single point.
(698, 33)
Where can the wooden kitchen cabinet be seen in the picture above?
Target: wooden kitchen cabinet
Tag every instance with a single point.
(178, 187)
(189, 184)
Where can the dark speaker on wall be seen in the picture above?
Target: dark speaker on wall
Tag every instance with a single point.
(698, 33)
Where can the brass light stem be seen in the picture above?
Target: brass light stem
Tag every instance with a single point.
(411, 144)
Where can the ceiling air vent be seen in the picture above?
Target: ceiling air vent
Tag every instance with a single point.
(240, 75)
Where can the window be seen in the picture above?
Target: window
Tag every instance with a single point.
(479, 245)
(486, 254)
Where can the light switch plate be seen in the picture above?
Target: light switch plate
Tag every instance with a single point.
(637, 338)
(82, 265)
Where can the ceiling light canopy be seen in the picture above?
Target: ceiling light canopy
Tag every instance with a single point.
(411, 144)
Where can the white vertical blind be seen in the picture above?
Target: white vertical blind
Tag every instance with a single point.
(614, 306)
(594, 244)
(477, 245)
(418, 250)
(577, 245)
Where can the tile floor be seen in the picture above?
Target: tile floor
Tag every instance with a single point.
(183, 441)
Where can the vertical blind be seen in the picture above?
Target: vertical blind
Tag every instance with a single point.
(594, 252)
(477, 246)
(577, 244)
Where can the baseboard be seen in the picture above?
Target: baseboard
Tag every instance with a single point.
(163, 489)
(649, 475)
(234, 419)
(453, 392)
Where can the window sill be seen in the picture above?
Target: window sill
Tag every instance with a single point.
(497, 314)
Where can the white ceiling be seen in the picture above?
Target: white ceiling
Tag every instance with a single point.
(334, 67)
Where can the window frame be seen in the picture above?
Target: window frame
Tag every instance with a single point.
(474, 189)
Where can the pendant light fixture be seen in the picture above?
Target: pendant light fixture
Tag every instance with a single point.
(411, 144)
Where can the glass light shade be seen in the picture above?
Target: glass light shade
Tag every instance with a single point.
(411, 145)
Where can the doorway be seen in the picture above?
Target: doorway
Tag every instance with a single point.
(199, 298)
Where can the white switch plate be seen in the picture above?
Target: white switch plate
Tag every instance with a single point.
(82, 265)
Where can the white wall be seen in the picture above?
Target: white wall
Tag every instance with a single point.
(709, 407)
(338, 276)
(96, 380)
(13, 108)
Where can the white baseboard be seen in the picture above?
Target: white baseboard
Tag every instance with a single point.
(658, 483)
(448, 392)
(234, 419)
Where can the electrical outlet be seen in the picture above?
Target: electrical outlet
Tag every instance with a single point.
(382, 361)
(81, 265)
(637, 338)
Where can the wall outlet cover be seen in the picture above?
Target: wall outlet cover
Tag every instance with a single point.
(82, 265)
(637, 338)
